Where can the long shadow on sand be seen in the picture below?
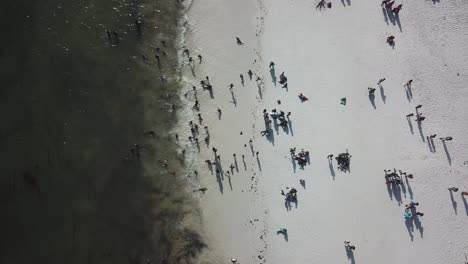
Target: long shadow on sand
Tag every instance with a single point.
(466, 204)
(372, 100)
(350, 255)
(290, 127)
(273, 76)
(332, 170)
(449, 159)
(454, 203)
(410, 124)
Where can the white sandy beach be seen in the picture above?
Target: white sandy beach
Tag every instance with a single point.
(327, 55)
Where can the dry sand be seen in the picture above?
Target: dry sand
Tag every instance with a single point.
(327, 55)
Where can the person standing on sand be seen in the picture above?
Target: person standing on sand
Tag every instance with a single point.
(418, 214)
(420, 118)
(453, 189)
(250, 73)
(348, 246)
(408, 83)
(380, 81)
(200, 58)
(272, 65)
(371, 90)
(409, 115)
(241, 77)
(446, 139)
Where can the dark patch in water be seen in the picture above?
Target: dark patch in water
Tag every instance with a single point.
(74, 100)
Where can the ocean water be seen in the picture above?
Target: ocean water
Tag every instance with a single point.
(74, 101)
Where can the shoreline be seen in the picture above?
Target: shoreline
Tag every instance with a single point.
(205, 36)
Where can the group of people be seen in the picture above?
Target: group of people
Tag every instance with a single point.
(301, 158)
(392, 177)
(410, 210)
(275, 115)
(343, 160)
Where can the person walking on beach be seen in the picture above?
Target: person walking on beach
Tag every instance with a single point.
(231, 86)
(418, 106)
(380, 81)
(391, 40)
(371, 90)
(250, 73)
(453, 189)
(408, 83)
(348, 246)
(418, 214)
(397, 9)
(239, 42)
(420, 118)
(242, 78)
(272, 65)
(446, 139)
(200, 58)
(409, 115)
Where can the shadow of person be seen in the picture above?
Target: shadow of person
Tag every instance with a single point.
(233, 97)
(447, 153)
(410, 191)
(384, 13)
(433, 145)
(410, 124)
(429, 144)
(273, 76)
(396, 190)
(418, 225)
(235, 165)
(290, 127)
(421, 131)
(397, 20)
(389, 189)
(409, 95)
(454, 203)
(220, 182)
(192, 69)
(350, 255)
(390, 15)
(229, 180)
(293, 161)
(287, 204)
(382, 93)
(465, 203)
(410, 227)
(285, 235)
(270, 137)
(372, 100)
(332, 170)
